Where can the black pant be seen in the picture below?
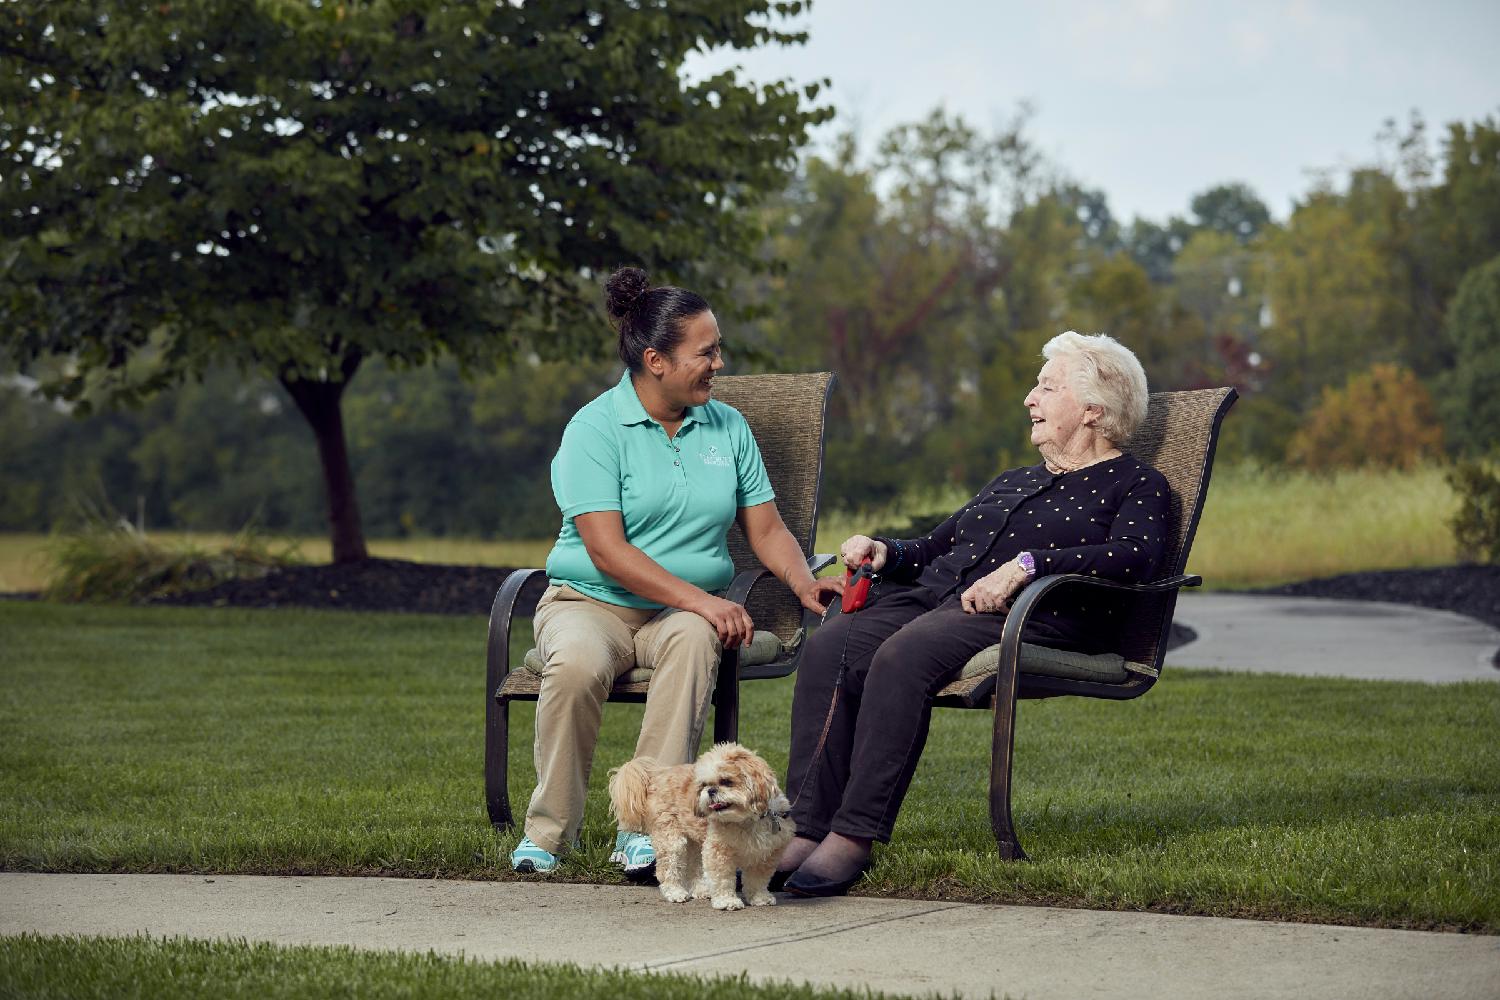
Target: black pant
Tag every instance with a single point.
(896, 653)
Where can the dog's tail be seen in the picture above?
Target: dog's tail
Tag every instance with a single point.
(628, 784)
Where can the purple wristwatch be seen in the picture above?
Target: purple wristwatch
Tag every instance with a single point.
(1027, 562)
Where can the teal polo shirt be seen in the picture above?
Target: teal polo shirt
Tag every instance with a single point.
(676, 496)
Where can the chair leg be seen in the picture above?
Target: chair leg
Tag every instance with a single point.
(497, 763)
(727, 699)
(1000, 762)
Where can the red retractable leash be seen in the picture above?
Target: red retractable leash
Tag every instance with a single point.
(857, 586)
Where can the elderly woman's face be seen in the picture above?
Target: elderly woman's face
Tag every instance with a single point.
(1056, 414)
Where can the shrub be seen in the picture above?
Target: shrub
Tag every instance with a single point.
(1383, 417)
(1472, 397)
(107, 559)
(1476, 525)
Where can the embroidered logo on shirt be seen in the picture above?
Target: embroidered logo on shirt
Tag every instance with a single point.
(713, 457)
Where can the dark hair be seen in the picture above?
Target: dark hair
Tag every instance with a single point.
(647, 317)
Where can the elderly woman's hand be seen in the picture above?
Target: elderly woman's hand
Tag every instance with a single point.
(993, 591)
(857, 548)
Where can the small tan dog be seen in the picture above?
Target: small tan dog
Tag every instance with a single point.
(721, 813)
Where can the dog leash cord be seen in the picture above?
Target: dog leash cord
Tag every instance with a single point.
(833, 702)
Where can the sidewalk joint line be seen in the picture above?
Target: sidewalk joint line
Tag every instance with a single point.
(832, 929)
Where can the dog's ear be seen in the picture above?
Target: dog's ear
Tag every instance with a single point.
(700, 802)
(763, 780)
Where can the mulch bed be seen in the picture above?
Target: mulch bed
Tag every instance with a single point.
(369, 585)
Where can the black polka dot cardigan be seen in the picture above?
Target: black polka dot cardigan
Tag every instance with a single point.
(1108, 519)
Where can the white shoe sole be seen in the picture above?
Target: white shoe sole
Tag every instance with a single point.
(618, 858)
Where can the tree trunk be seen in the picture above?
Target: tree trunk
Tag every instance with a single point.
(321, 404)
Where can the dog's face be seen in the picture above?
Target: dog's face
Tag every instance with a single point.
(734, 784)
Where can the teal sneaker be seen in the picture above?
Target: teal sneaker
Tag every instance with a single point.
(634, 851)
(529, 859)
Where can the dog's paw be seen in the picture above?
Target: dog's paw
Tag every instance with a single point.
(675, 894)
(763, 898)
(730, 902)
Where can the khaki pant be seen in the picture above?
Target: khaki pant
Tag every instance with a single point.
(585, 644)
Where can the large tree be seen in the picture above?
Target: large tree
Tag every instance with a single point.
(297, 186)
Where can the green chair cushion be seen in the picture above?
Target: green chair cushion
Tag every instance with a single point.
(1107, 668)
(765, 647)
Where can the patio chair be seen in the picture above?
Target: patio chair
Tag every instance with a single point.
(1178, 438)
(786, 413)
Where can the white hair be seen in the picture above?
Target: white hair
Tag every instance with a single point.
(1104, 373)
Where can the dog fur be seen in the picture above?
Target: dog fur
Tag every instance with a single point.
(720, 814)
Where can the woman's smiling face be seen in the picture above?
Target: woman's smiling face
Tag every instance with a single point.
(1056, 413)
(687, 379)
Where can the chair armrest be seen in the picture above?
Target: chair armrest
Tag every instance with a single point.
(497, 648)
(745, 580)
(1010, 636)
(1046, 583)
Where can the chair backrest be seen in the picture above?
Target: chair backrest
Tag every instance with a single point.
(1177, 438)
(786, 413)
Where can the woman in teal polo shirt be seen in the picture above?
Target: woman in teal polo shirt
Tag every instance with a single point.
(648, 477)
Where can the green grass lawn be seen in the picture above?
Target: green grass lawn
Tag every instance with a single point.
(1266, 526)
(188, 740)
(117, 968)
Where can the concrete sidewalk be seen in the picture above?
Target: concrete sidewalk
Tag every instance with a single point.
(893, 945)
(1314, 636)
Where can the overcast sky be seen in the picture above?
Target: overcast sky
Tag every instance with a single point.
(1156, 100)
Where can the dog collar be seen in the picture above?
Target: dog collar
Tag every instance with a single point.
(775, 818)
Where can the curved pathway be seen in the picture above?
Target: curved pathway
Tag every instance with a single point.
(1317, 636)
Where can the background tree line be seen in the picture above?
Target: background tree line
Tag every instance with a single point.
(1364, 329)
(223, 247)
(433, 453)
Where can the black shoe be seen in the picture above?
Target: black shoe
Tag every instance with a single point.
(806, 884)
(778, 880)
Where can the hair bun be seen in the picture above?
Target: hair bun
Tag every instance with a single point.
(624, 289)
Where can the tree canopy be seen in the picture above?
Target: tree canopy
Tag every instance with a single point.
(294, 187)
(927, 273)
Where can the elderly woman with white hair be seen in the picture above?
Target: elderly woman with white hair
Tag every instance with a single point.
(864, 692)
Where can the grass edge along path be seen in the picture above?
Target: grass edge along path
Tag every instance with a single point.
(300, 742)
(111, 968)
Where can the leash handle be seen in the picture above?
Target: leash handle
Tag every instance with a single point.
(857, 587)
